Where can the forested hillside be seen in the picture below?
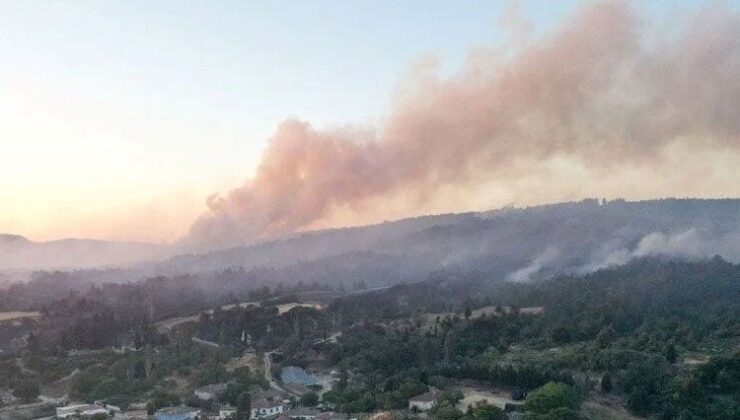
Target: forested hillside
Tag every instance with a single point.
(517, 244)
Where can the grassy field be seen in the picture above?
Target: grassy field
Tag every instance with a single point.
(250, 360)
(474, 394)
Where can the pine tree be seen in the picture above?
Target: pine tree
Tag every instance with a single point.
(606, 382)
(244, 407)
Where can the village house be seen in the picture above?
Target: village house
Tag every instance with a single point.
(425, 401)
(268, 403)
(303, 413)
(177, 413)
(329, 415)
(267, 407)
(80, 410)
(110, 407)
(225, 411)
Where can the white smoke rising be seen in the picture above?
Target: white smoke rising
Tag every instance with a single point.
(691, 243)
(545, 259)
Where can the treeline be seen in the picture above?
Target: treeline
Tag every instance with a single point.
(527, 376)
(631, 326)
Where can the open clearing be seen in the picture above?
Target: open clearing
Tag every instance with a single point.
(249, 359)
(473, 394)
(10, 316)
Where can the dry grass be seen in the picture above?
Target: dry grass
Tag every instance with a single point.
(606, 409)
(474, 394)
(10, 316)
(250, 360)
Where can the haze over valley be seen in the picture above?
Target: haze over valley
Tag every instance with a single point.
(370, 210)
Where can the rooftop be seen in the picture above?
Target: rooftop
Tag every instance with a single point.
(266, 403)
(176, 410)
(430, 396)
(303, 412)
(332, 416)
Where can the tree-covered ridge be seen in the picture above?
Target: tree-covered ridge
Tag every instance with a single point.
(633, 325)
(660, 335)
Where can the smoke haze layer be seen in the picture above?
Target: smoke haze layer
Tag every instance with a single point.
(602, 103)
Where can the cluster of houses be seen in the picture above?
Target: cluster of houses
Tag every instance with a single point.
(265, 405)
(76, 411)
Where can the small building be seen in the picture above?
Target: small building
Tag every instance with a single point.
(225, 411)
(177, 413)
(303, 413)
(131, 415)
(210, 392)
(266, 407)
(80, 410)
(110, 407)
(272, 395)
(425, 401)
(330, 415)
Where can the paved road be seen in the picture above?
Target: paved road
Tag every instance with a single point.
(206, 342)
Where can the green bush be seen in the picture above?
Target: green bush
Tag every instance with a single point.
(551, 396)
(309, 399)
(488, 412)
(446, 411)
(27, 390)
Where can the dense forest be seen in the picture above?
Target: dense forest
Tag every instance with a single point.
(660, 334)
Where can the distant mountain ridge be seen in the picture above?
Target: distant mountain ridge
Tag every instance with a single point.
(18, 253)
(514, 243)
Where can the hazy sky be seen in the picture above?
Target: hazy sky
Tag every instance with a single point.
(119, 118)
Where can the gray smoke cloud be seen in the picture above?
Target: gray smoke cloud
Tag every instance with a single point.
(602, 92)
(548, 258)
(696, 242)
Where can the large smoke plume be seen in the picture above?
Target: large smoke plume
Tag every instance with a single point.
(602, 92)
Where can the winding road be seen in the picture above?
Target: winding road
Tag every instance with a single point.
(268, 372)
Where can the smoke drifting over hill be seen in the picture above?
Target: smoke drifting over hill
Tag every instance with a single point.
(601, 96)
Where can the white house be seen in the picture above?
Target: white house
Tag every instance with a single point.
(80, 410)
(225, 411)
(330, 415)
(265, 407)
(424, 401)
(303, 413)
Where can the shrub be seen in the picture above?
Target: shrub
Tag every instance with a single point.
(551, 396)
(27, 390)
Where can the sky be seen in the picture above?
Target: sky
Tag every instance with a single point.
(119, 119)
